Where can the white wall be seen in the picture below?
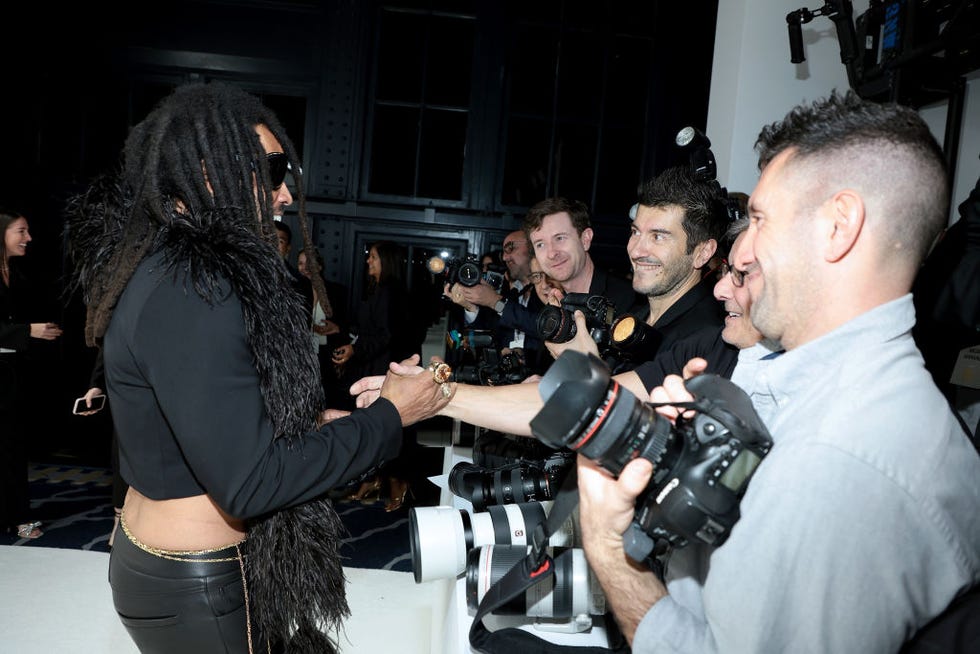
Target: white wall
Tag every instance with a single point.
(753, 83)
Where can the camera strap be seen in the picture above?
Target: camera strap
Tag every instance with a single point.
(533, 569)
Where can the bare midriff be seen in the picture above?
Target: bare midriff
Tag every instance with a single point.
(188, 523)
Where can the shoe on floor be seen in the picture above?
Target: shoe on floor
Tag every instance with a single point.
(30, 530)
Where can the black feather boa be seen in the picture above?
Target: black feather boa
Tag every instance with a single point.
(295, 579)
(296, 583)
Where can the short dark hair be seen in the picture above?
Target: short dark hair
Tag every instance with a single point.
(705, 217)
(578, 211)
(846, 141)
(284, 228)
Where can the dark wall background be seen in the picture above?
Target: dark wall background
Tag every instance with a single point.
(435, 123)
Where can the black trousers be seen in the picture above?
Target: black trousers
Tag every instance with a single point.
(194, 605)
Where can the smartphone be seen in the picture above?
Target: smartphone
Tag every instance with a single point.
(98, 402)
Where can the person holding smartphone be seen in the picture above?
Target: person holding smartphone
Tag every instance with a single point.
(89, 404)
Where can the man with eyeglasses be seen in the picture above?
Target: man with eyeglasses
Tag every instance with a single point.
(861, 525)
(509, 409)
(512, 313)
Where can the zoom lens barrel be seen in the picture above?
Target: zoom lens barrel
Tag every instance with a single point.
(441, 536)
(507, 485)
(571, 591)
(556, 325)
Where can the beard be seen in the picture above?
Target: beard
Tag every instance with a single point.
(660, 281)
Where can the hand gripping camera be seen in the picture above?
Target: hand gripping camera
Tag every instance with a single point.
(702, 465)
(557, 324)
(467, 271)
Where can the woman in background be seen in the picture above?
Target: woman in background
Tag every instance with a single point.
(15, 335)
(384, 331)
(329, 327)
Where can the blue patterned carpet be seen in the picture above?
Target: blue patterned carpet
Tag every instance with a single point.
(75, 505)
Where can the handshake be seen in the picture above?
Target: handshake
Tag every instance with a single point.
(417, 393)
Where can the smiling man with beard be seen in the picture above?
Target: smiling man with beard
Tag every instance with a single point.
(676, 228)
(679, 221)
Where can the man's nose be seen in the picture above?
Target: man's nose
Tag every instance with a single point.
(637, 247)
(283, 197)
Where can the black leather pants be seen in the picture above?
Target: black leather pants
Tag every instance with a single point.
(187, 606)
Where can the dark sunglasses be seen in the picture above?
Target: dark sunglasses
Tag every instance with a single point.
(738, 276)
(278, 165)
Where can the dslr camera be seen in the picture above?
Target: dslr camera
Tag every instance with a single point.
(702, 465)
(467, 271)
(557, 324)
(476, 360)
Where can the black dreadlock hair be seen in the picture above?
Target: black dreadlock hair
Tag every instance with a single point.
(194, 184)
(197, 150)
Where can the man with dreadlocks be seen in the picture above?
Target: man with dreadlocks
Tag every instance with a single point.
(215, 388)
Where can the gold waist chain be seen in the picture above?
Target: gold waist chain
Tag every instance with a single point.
(182, 555)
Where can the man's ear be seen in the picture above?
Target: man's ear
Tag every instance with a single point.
(704, 251)
(845, 222)
(586, 238)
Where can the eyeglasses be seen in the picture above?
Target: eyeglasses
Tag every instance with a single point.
(537, 277)
(510, 246)
(738, 276)
(278, 165)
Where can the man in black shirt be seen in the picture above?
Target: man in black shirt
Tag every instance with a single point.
(509, 409)
(560, 232)
(677, 225)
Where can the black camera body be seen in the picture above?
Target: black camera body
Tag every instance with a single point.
(702, 465)
(467, 271)
(490, 368)
(557, 324)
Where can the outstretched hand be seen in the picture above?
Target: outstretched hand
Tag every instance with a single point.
(342, 354)
(413, 391)
(329, 415)
(367, 389)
